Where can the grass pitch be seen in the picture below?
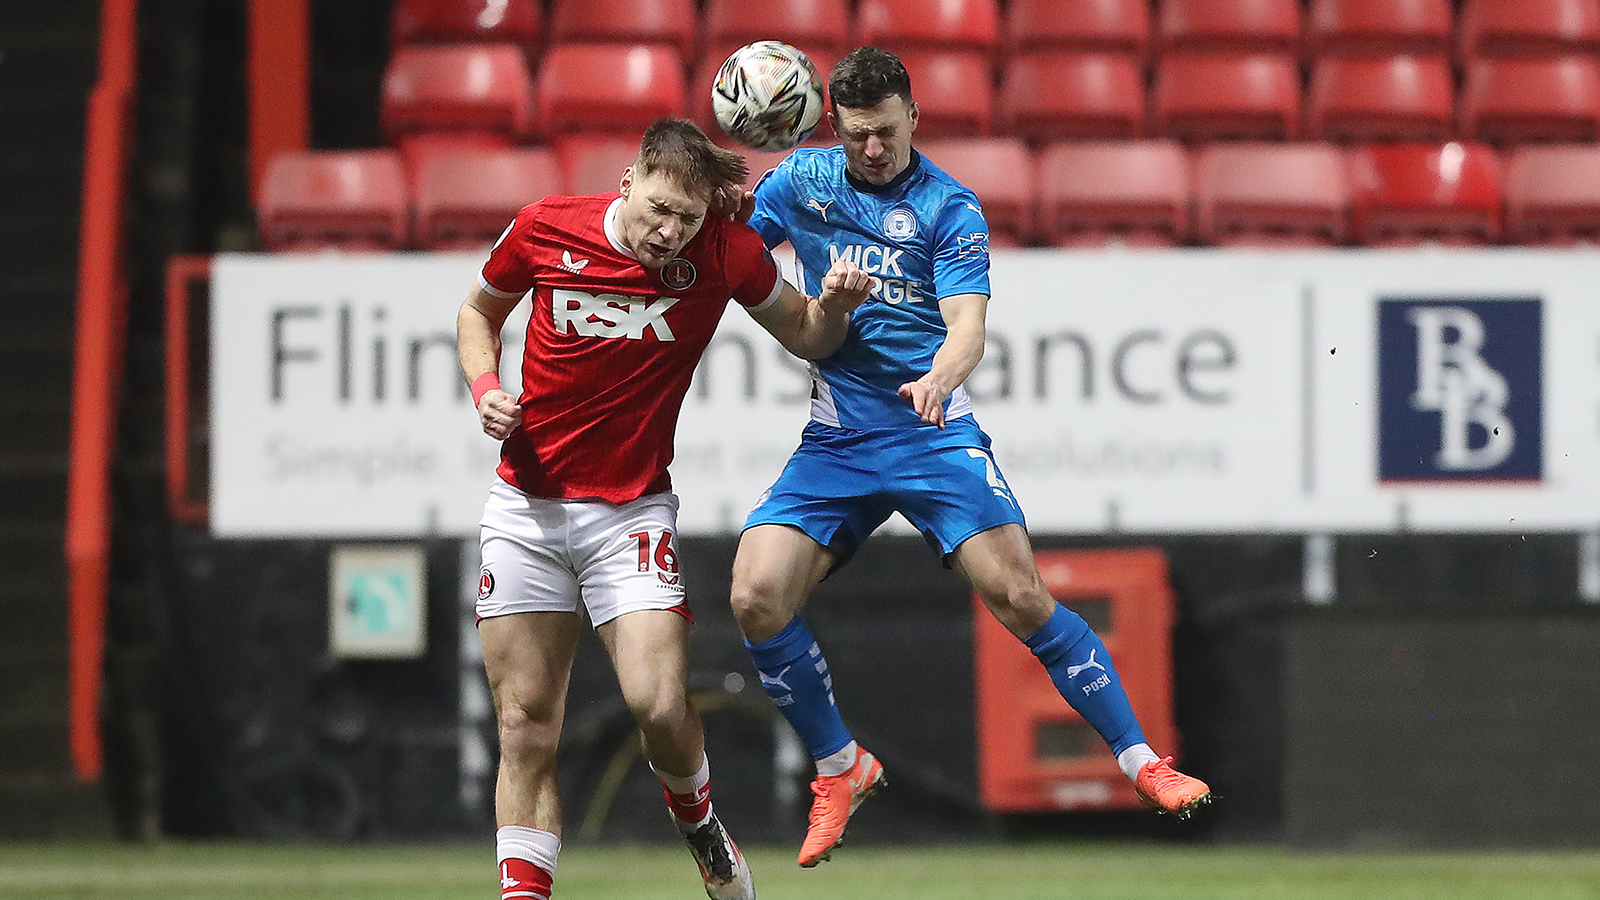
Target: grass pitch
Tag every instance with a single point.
(1033, 871)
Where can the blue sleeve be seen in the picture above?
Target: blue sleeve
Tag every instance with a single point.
(774, 198)
(961, 249)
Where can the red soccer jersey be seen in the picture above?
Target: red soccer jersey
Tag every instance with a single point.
(612, 345)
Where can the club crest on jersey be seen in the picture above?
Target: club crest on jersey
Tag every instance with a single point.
(678, 274)
(485, 584)
(899, 224)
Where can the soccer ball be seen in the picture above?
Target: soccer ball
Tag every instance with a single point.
(767, 96)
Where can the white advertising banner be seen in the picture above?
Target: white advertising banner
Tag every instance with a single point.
(1183, 391)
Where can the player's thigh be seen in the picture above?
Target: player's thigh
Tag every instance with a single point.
(829, 491)
(528, 659)
(999, 564)
(626, 557)
(649, 650)
(526, 567)
(952, 490)
(777, 566)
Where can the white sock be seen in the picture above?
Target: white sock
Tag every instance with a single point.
(686, 784)
(839, 761)
(531, 844)
(1134, 758)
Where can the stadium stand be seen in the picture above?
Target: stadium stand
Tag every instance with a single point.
(1083, 26)
(1052, 95)
(347, 200)
(519, 22)
(1552, 194)
(609, 87)
(1544, 99)
(1001, 172)
(1271, 195)
(465, 198)
(902, 26)
(481, 88)
(954, 93)
(1409, 194)
(670, 23)
(593, 163)
(1378, 27)
(823, 24)
(1227, 96)
(1133, 193)
(1381, 98)
(1240, 26)
(1528, 27)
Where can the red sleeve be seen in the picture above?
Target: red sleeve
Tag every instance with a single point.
(752, 274)
(509, 270)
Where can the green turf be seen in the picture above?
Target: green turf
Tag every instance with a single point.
(205, 871)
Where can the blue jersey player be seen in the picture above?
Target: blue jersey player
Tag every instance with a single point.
(892, 431)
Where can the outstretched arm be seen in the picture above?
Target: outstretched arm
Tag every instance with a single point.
(478, 348)
(959, 354)
(814, 327)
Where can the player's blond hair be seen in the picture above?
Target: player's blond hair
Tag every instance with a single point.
(680, 149)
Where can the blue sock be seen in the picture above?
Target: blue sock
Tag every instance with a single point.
(1080, 666)
(795, 675)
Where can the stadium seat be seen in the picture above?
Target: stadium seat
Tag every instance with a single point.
(1081, 26)
(464, 88)
(1408, 194)
(609, 87)
(1272, 195)
(705, 74)
(1239, 26)
(1226, 96)
(1381, 98)
(1000, 172)
(953, 92)
(823, 24)
(668, 22)
(466, 197)
(519, 22)
(902, 26)
(1553, 194)
(1513, 100)
(347, 200)
(1528, 27)
(1050, 95)
(1379, 27)
(593, 163)
(1114, 192)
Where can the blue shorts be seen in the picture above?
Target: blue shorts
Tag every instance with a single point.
(840, 484)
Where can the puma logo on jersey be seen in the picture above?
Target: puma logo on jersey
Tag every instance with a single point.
(610, 315)
(821, 208)
(574, 266)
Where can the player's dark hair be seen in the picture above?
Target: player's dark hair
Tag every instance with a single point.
(866, 77)
(680, 149)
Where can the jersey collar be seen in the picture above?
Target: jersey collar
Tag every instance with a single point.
(611, 229)
(893, 183)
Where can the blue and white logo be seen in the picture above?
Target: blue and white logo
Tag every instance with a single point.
(1460, 389)
(900, 223)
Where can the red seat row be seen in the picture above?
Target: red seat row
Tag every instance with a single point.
(1141, 193)
(1493, 27)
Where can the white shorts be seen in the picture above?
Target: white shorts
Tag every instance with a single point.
(542, 555)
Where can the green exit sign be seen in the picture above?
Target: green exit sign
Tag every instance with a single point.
(377, 601)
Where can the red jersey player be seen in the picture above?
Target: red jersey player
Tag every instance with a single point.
(627, 291)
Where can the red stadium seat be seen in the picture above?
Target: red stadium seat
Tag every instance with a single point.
(609, 87)
(823, 24)
(1083, 26)
(1000, 172)
(347, 200)
(519, 22)
(1553, 194)
(1055, 96)
(1272, 195)
(1379, 27)
(906, 25)
(705, 74)
(953, 92)
(1114, 192)
(1225, 96)
(668, 22)
(1240, 26)
(1408, 194)
(466, 198)
(467, 87)
(1529, 27)
(1512, 100)
(593, 163)
(1381, 98)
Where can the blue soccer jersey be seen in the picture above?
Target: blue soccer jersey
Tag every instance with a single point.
(922, 238)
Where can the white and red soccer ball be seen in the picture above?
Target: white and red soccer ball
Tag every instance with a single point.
(767, 96)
